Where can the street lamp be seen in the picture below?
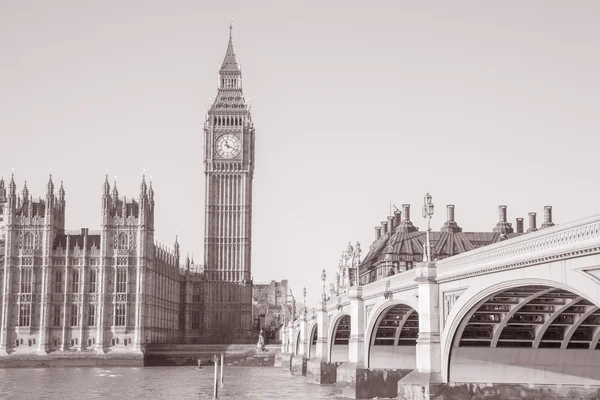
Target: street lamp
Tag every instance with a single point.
(427, 214)
(304, 294)
(323, 276)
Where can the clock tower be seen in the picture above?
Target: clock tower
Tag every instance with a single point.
(229, 169)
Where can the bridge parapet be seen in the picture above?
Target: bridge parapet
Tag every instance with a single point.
(550, 244)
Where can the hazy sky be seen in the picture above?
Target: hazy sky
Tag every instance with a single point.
(355, 104)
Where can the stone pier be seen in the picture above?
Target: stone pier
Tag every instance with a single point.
(299, 360)
(319, 369)
(425, 382)
(351, 375)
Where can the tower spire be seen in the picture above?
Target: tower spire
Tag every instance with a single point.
(230, 63)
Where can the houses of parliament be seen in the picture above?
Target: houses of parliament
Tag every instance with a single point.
(115, 288)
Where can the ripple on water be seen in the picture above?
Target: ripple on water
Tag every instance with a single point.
(246, 383)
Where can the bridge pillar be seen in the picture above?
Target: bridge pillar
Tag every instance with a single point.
(319, 369)
(283, 358)
(286, 357)
(351, 376)
(301, 349)
(425, 382)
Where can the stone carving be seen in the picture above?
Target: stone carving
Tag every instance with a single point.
(25, 297)
(449, 300)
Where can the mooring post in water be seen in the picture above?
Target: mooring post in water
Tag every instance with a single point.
(215, 392)
(222, 362)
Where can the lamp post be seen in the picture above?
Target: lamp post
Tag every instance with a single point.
(323, 276)
(356, 262)
(427, 214)
(304, 294)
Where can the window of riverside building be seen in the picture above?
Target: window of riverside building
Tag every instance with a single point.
(93, 281)
(56, 315)
(92, 315)
(195, 320)
(25, 315)
(58, 283)
(26, 280)
(28, 241)
(74, 315)
(120, 310)
(75, 282)
(121, 280)
(123, 241)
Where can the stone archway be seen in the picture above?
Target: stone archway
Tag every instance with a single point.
(312, 340)
(525, 331)
(391, 337)
(338, 338)
(297, 343)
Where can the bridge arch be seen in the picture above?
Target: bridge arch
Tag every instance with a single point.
(312, 332)
(532, 329)
(338, 337)
(388, 344)
(297, 344)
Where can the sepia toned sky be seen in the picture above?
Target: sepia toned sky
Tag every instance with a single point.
(356, 104)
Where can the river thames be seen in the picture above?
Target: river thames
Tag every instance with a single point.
(156, 383)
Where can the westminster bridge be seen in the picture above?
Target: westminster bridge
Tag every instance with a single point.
(519, 316)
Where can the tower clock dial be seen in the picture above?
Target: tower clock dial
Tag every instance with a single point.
(228, 145)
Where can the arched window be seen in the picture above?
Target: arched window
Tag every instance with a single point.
(123, 241)
(28, 241)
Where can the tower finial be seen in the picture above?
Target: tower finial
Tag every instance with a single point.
(231, 20)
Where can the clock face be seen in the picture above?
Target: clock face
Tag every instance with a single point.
(228, 145)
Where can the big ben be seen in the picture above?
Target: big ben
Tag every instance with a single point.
(229, 168)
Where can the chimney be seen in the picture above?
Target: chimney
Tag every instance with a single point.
(84, 231)
(397, 217)
(532, 227)
(519, 225)
(450, 208)
(547, 217)
(406, 211)
(502, 213)
(377, 232)
(384, 227)
(406, 225)
(450, 225)
(503, 226)
(390, 222)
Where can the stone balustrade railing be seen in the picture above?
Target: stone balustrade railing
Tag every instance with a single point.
(550, 244)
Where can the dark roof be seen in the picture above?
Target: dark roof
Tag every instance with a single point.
(76, 240)
(408, 246)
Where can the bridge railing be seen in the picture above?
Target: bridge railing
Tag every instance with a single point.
(549, 244)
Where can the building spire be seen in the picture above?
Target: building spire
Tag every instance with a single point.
(229, 62)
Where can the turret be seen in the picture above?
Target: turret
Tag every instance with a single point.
(50, 188)
(2, 191)
(115, 194)
(176, 250)
(503, 226)
(12, 195)
(143, 193)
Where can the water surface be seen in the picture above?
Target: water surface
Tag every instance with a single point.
(252, 383)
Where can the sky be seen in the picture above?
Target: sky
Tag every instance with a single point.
(356, 104)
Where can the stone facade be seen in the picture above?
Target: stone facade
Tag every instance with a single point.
(111, 289)
(272, 306)
(229, 168)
